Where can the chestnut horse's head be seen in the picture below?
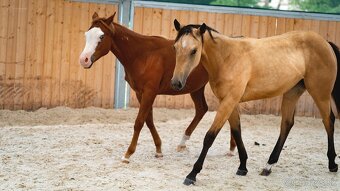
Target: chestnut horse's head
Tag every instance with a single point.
(98, 40)
(188, 46)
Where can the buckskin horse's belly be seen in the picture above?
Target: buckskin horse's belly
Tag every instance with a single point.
(277, 83)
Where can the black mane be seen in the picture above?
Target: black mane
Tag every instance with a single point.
(188, 30)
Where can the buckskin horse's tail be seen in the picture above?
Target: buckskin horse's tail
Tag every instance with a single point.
(336, 89)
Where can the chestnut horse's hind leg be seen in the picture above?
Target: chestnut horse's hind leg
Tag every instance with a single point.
(234, 122)
(289, 101)
(146, 101)
(201, 108)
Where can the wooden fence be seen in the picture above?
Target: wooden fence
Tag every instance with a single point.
(40, 43)
(153, 21)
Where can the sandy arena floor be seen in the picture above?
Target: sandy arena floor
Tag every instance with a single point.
(80, 149)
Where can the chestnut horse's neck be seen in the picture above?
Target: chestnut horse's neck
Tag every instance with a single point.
(128, 45)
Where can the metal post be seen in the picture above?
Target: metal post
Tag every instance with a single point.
(122, 89)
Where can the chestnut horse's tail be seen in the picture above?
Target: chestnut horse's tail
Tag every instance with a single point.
(336, 89)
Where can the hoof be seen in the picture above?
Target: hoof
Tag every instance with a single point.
(265, 172)
(188, 182)
(181, 148)
(241, 172)
(158, 155)
(125, 160)
(230, 153)
(335, 169)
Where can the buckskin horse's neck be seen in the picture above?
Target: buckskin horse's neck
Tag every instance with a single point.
(215, 52)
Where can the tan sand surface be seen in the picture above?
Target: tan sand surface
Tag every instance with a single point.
(80, 149)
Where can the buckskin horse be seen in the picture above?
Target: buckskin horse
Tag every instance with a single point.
(148, 62)
(249, 69)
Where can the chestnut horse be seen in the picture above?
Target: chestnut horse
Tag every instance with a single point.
(249, 69)
(149, 62)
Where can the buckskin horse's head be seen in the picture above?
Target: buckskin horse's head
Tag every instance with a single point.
(98, 40)
(188, 46)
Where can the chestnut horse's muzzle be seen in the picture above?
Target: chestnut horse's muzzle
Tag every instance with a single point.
(87, 62)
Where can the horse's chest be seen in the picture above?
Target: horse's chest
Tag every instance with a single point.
(136, 82)
(216, 89)
(131, 82)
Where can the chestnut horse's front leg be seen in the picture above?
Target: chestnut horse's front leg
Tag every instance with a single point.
(146, 101)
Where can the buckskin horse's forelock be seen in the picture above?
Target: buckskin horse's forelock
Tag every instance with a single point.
(188, 30)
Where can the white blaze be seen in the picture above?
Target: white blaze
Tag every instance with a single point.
(92, 39)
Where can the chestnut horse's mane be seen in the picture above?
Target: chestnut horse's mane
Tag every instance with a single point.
(102, 21)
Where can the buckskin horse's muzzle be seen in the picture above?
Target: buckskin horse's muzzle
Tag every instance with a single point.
(176, 85)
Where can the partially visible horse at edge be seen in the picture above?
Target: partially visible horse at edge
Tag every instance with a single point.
(149, 62)
(246, 69)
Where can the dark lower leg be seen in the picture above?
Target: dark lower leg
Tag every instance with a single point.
(332, 166)
(286, 126)
(242, 169)
(208, 141)
(274, 157)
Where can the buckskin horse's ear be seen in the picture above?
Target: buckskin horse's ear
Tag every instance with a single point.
(94, 16)
(203, 28)
(177, 25)
(110, 19)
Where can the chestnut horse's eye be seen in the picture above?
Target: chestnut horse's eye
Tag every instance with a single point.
(101, 37)
(193, 51)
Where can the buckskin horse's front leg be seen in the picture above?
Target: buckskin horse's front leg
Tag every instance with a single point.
(225, 110)
(146, 101)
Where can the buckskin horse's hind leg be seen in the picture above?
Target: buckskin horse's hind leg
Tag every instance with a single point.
(328, 120)
(146, 101)
(289, 101)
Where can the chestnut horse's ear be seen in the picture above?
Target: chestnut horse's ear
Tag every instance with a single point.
(110, 19)
(94, 16)
(203, 28)
(177, 25)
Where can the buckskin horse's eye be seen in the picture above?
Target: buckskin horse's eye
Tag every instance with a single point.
(193, 51)
(101, 37)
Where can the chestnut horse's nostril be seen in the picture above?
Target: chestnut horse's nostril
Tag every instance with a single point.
(176, 85)
(86, 59)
